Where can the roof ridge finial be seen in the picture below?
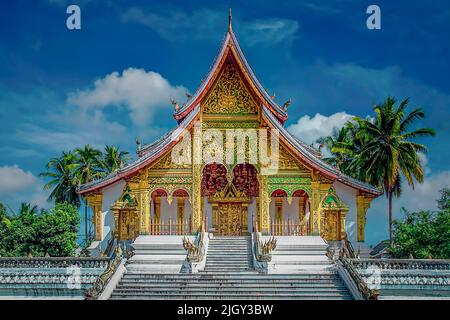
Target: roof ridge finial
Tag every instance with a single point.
(230, 18)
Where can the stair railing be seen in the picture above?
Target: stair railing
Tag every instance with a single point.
(263, 251)
(358, 281)
(196, 249)
(96, 290)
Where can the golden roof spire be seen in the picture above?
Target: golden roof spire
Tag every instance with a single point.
(230, 18)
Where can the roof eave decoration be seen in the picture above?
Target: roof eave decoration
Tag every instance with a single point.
(313, 161)
(230, 43)
(151, 155)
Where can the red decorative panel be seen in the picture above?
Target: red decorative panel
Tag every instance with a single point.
(300, 193)
(180, 193)
(245, 178)
(279, 193)
(214, 178)
(159, 193)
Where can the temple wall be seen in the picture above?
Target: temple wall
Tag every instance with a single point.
(290, 211)
(110, 195)
(348, 196)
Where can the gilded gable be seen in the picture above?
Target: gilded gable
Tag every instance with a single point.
(230, 95)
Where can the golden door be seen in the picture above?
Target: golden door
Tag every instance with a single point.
(229, 219)
(332, 226)
(127, 225)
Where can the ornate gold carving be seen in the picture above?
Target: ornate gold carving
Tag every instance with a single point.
(331, 224)
(332, 212)
(230, 219)
(166, 163)
(288, 162)
(264, 202)
(229, 94)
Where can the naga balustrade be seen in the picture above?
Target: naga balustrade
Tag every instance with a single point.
(53, 262)
(403, 273)
(367, 292)
(402, 264)
(170, 227)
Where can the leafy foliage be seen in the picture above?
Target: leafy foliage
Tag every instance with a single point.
(30, 231)
(424, 234)
(381, 151)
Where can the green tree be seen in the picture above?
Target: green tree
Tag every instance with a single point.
(113, 159)
(40, 232)
(423, 234)
(344, 146)
(57, 230)
(389, 152)
(63, 179)
(20, 238)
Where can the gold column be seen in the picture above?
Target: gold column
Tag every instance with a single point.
(196, 212)
(279, 216)
(95, 202)
(180, 215)
(362, 204)
(314, 210)
(319, 188)
(301, 215)
(264, 205)
(144, 208)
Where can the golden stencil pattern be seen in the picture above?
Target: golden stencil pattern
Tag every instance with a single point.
(230, 94)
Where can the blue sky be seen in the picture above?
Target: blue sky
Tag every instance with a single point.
(110, 82)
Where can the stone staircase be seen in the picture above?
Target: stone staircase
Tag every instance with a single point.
(229, 255)
(234, 286)
(229, 274)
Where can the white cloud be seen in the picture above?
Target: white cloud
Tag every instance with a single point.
(142, 93)
(268, 32)
(18, 185)
(309, 129)
(13, 179)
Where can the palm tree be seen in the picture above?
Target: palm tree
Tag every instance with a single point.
(113, 159)
(63, 181)
(390, 152)
(89, 169)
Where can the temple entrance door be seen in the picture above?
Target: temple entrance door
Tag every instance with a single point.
(229, 222)
(332, 225)
(127, 224)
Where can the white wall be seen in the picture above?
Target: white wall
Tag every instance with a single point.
(348, 196)
(110, 195)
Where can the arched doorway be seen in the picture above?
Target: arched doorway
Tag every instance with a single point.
(155, 217)
(229, 196)
(304, 216)
(182, 222)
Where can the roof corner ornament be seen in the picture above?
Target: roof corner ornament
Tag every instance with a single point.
(175, 104)
(188, 95)
(138, 144)
(273, 96)
(287, 104)
(230, 18)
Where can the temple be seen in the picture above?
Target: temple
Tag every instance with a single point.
(185, 180)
